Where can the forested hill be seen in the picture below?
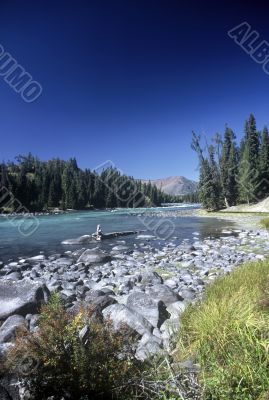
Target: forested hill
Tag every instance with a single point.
(233, 173)
(40, 185)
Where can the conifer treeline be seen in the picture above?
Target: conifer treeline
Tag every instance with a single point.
(232, 174)
(40, 185)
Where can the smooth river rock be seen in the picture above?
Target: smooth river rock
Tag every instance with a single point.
(121, 315)
(143, 304)
(22, 297)
(94, 257)
(9, 327)
(163, 293)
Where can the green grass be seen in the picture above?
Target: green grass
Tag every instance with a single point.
(227, 334)
(265, 222)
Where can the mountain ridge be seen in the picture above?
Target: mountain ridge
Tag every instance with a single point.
(174, 185)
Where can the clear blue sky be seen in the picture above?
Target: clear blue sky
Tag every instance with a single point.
(129, 80)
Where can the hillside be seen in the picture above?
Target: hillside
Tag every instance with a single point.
(262, 206)
(175, 185)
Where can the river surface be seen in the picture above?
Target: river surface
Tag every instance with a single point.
(45, 233)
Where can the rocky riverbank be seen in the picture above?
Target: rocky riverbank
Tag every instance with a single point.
(145, 288)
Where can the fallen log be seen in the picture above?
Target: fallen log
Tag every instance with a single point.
(85, 239)
(115, 234)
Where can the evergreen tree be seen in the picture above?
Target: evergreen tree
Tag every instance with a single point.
(210, 192)
(228, 168)
(232, 193)
(248, 176)
(264, 165)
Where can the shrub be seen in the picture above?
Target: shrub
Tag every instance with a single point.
(227, 333)
(56, 361)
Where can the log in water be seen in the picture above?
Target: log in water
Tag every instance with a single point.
(93, 237)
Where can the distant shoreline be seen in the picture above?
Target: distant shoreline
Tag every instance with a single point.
(68, 211)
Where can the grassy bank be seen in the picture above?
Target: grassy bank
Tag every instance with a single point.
(243, 220)
(227, 334)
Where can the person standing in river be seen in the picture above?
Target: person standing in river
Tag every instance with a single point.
(98, 233)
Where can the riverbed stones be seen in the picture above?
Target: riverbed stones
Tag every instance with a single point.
(146, 289)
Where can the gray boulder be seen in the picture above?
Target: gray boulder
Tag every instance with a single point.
(9, 327)
(22, 297)
(172, 283)
(150, 278)
(36, 259)
(94, 257)
(152, 311)
(14, 276)
(163, 293)
(93, 294)
(169, 328)
(176, 309)
(101, 302)
(120, 315)
(148, 346)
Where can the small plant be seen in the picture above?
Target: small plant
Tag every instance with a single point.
(59, 361)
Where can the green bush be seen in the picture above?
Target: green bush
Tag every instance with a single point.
(55, 361)
(227, 334)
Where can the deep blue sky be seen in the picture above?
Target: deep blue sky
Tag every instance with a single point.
(129, 80)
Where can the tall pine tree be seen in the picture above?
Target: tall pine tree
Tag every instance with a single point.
(228, 168)
(248, 176)
(264, 164)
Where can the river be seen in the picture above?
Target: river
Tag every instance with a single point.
(51, 230)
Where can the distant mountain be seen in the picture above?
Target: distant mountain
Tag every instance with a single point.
(175, 185)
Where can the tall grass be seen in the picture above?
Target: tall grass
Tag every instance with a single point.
(228, 335)
(265, 222)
